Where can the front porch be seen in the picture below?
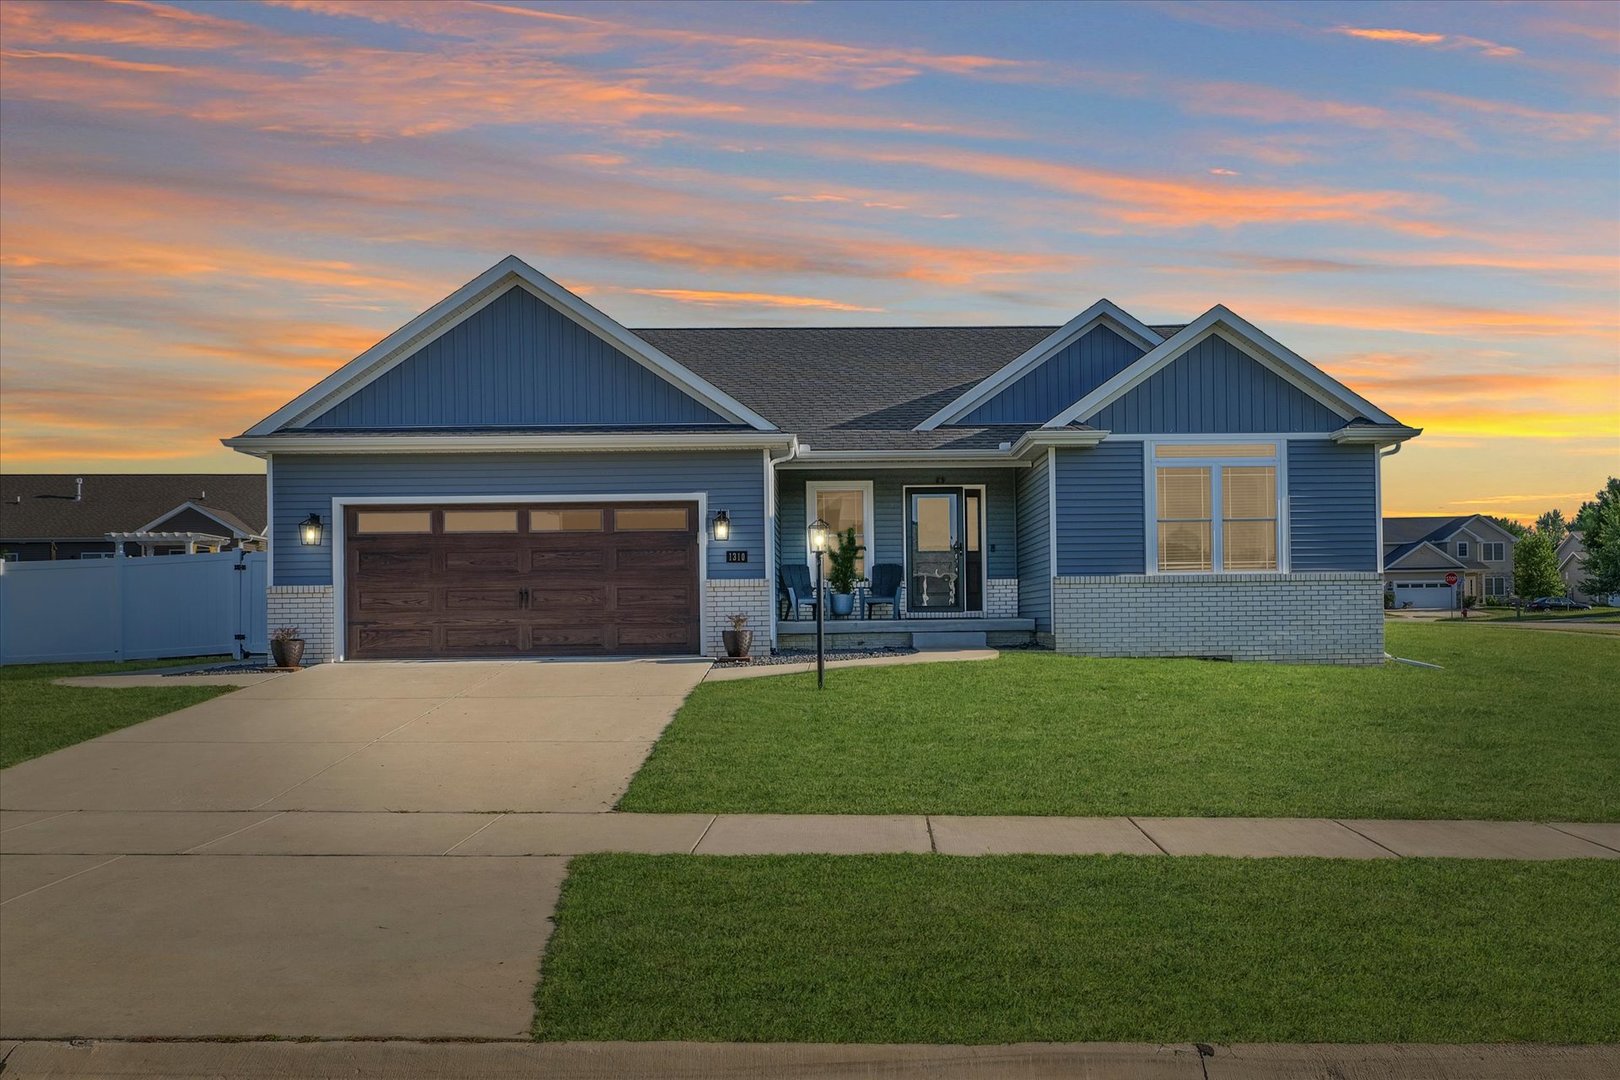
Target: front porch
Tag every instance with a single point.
(853, 633)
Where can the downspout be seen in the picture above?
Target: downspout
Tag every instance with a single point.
(773, 525)
(1378, 479)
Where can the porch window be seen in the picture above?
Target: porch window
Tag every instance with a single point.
(1215, 507)
(843, 505)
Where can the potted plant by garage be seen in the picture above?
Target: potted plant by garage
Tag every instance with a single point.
(841, 573)
(739, 639)
(286, 647)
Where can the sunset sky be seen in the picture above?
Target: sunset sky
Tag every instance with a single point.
(206, 207)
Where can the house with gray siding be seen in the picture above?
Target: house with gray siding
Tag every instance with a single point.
(1420, 551)
(513, 473)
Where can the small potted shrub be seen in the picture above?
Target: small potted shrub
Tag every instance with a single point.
(841, 573)
(739, 639)
(286, 647)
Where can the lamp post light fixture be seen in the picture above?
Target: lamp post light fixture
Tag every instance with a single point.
(722, 526)
(820, 534)
(309, 531)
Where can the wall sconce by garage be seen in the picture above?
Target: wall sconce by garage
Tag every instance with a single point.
(309, 531)
(722, 526)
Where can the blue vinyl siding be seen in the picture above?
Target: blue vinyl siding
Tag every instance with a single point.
(1212, 388)
(888, 506)
(1063, 379)
(1332, 506)
(517, 363)
(1101, 500)
(1034, 544)
(733, 479)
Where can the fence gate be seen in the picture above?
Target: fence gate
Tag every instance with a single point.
(133, 609)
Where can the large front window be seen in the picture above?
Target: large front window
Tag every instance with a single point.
(1215, 507)
(843, 505)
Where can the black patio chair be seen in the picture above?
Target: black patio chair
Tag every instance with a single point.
(885, 581)
(793, 588)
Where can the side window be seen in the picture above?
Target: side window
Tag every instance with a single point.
(1462, 549)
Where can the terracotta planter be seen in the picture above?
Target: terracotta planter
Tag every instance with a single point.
(288, 652)
(738, 642)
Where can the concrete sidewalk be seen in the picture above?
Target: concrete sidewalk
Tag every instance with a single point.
(280, 832)
(803, 1061)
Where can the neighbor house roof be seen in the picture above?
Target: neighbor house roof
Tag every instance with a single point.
(1406, 530)
(41, 506)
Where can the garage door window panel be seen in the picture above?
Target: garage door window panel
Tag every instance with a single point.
(392, 522)
(550, 521)
(652, 519)
(480, 521)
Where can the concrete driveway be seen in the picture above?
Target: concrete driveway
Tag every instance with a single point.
(177, 878)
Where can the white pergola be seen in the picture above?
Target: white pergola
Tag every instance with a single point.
(148, 540)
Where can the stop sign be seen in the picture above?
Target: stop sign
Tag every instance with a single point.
(1451, 579)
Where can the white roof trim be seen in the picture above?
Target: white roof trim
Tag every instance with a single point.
(1255, 343)
(465, 302)
(538, 442)
(1378, 434)
(203, 510)
(1103, 312)
(1426, 544)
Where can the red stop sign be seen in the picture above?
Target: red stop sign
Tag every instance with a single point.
(1451, 579)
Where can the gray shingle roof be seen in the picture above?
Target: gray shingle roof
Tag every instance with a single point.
(1407, 530)
(120, 502)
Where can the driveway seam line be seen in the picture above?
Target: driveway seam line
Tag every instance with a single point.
(712, 819)
(1369, 839)
(1137, 826)
(274, 814)
(928, 821)
(59, 880)
(472, 834)
(1578, 836)
(37, 821)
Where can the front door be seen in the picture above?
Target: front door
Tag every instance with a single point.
(944, 568)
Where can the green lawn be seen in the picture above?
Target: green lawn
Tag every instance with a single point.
(37, 717)
(1517, 725)
(905, 948)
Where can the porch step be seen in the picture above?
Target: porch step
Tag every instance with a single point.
(947, 639)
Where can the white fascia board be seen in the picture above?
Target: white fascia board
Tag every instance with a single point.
(1041, 439)
(807, 458)
(1255, 343)
(1379, 435)
(189, 505)
(463, 304)
(1425, 548)
(1103, 311)
(522, 443)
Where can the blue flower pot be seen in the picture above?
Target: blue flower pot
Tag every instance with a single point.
(843, 604)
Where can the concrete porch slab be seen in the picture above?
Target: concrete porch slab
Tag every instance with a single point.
(1479, 840)
(21, 874)
(726, 674)
(578, 834)
(1038, 836)
(350, 834)
(490, 719)
(91, 832)
(814, 834)
(215, 947)
(1259, 837)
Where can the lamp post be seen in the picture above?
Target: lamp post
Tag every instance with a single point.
(820, 533)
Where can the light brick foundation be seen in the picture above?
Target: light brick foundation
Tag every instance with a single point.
(1001, 598)
(1324, 618)
(308, 607)
(726, 597)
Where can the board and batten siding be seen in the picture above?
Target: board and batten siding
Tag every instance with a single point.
(516, 363)
(734, 480)
(1101, 501)
(1332, 506)
(888, 506)
(1062, 379)
(1035, 544)
(1212, 388)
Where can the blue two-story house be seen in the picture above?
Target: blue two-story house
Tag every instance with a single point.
(512, 473)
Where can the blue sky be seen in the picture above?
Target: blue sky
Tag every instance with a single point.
(204, 207)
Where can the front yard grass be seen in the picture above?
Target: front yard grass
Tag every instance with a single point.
(37, 717)
(930, 949)
(1516, 726)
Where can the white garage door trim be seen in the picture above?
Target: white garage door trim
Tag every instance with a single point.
(340, 503)
(1427, 589)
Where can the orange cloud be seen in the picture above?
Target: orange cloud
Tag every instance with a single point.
(717, 298)
(1563, 126)
(1272, 105)
(1428, 40)
(1445, 320)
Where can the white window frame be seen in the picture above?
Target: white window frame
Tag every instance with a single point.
(1150, 476)
(811, 488)
(1462, 549)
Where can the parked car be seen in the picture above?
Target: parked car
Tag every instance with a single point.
(1558, 603)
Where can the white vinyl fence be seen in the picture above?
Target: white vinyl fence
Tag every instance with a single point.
(132, 609)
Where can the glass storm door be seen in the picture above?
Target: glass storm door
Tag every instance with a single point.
(936, 542)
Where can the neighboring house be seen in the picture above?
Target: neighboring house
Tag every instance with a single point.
(514, 473)
(1572, 568)
(1420, 551)
(92, 516)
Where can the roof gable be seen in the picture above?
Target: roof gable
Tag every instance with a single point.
(1024, 379)
(320, 404)
(191, 516)
(1288, 366)
(1421, 555)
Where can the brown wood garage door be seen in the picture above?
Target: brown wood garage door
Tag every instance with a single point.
(528, 579)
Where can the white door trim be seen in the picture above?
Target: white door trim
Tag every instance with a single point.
(984, 539)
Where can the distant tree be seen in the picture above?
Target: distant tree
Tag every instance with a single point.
(1552, 526)
(1535, 567)
(1603, 554)
(1587, 517)
(1509, 524)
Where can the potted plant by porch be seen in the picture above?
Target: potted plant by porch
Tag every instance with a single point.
(739, 639)
(841, 573)
(286, 647)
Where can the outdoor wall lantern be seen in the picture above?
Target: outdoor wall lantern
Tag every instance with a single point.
(722, 526)
(309, 531)
(820, 533)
